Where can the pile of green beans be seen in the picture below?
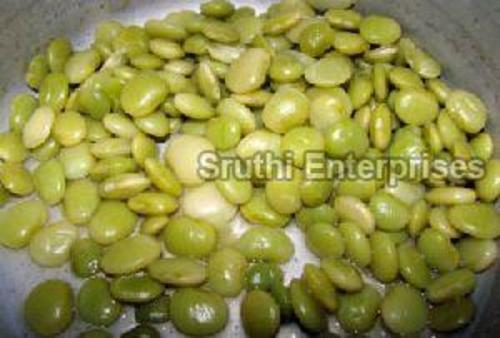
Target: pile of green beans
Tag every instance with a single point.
(144, 229)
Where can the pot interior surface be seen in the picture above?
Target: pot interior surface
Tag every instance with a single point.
(461, 34)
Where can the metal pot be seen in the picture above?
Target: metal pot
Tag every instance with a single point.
(462, 34)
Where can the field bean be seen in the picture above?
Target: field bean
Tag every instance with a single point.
(85, 257)
(111, 222)
(438, 250)
(130, 255)
(155, 312)
(197, 312)
(357, 245)
(325, 240)
(50, 247)
(265, 243)
(342, 274)
(95, 304)
(478, 220)
(135, 289)
(384, 263)
(358, 311)
(49, 181)
(260, 314)
(20, 222)
(452, 315)
(309, 313)
(318, 284)
(178, 271)
(451, 285)
(48, 309)
(399, 321)
(16, 179)
(477, 254)
(185, 236)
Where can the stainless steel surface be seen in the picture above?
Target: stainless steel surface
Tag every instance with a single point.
(462, 34)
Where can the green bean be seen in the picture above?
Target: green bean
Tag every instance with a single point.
(48, 309)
